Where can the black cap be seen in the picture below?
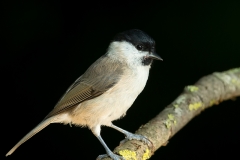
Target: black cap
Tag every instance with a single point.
(138, 38)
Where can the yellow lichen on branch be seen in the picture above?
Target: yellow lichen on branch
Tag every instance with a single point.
(208, 91)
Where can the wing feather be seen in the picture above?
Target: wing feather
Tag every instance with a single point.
(94, 82)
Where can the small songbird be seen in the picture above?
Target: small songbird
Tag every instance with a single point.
(106, 90)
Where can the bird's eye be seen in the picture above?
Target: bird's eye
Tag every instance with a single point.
(139, 47)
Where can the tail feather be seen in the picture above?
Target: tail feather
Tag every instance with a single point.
(38, 128)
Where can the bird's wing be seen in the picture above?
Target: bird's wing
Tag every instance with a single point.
(95, 81)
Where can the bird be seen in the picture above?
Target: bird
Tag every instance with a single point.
(106, 90)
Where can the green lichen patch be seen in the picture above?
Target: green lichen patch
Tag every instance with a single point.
(180, 99)
(175, 122)
(235, 82)
(192, 88)
(234, 70)
(168, 123)
(195, 106)
(175, 105)
(213, 102)
(170, 117)
(170, 120)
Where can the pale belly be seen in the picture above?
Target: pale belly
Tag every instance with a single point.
(113, 104)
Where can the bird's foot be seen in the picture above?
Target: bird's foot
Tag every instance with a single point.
(131, 136)
(111, 155)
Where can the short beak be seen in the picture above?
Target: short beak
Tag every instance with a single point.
(154, 55)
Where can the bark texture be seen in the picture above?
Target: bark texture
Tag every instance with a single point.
(208, 91)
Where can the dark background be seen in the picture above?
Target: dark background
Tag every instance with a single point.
(48, 44)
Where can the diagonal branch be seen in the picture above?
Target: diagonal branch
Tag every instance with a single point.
(208, 91)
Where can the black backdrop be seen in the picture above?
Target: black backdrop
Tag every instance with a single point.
(47, 45)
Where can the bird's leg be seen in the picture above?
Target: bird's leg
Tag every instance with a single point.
(131, 136)
(96, 132)
(109, 152)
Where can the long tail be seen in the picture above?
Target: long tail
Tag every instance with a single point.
(38, 128)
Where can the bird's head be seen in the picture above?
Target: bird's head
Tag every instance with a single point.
(133, 46)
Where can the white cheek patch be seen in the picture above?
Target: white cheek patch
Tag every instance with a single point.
(127, 52)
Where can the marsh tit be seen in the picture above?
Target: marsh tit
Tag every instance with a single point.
(106, 90)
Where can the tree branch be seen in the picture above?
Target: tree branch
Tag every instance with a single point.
(208, 91)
